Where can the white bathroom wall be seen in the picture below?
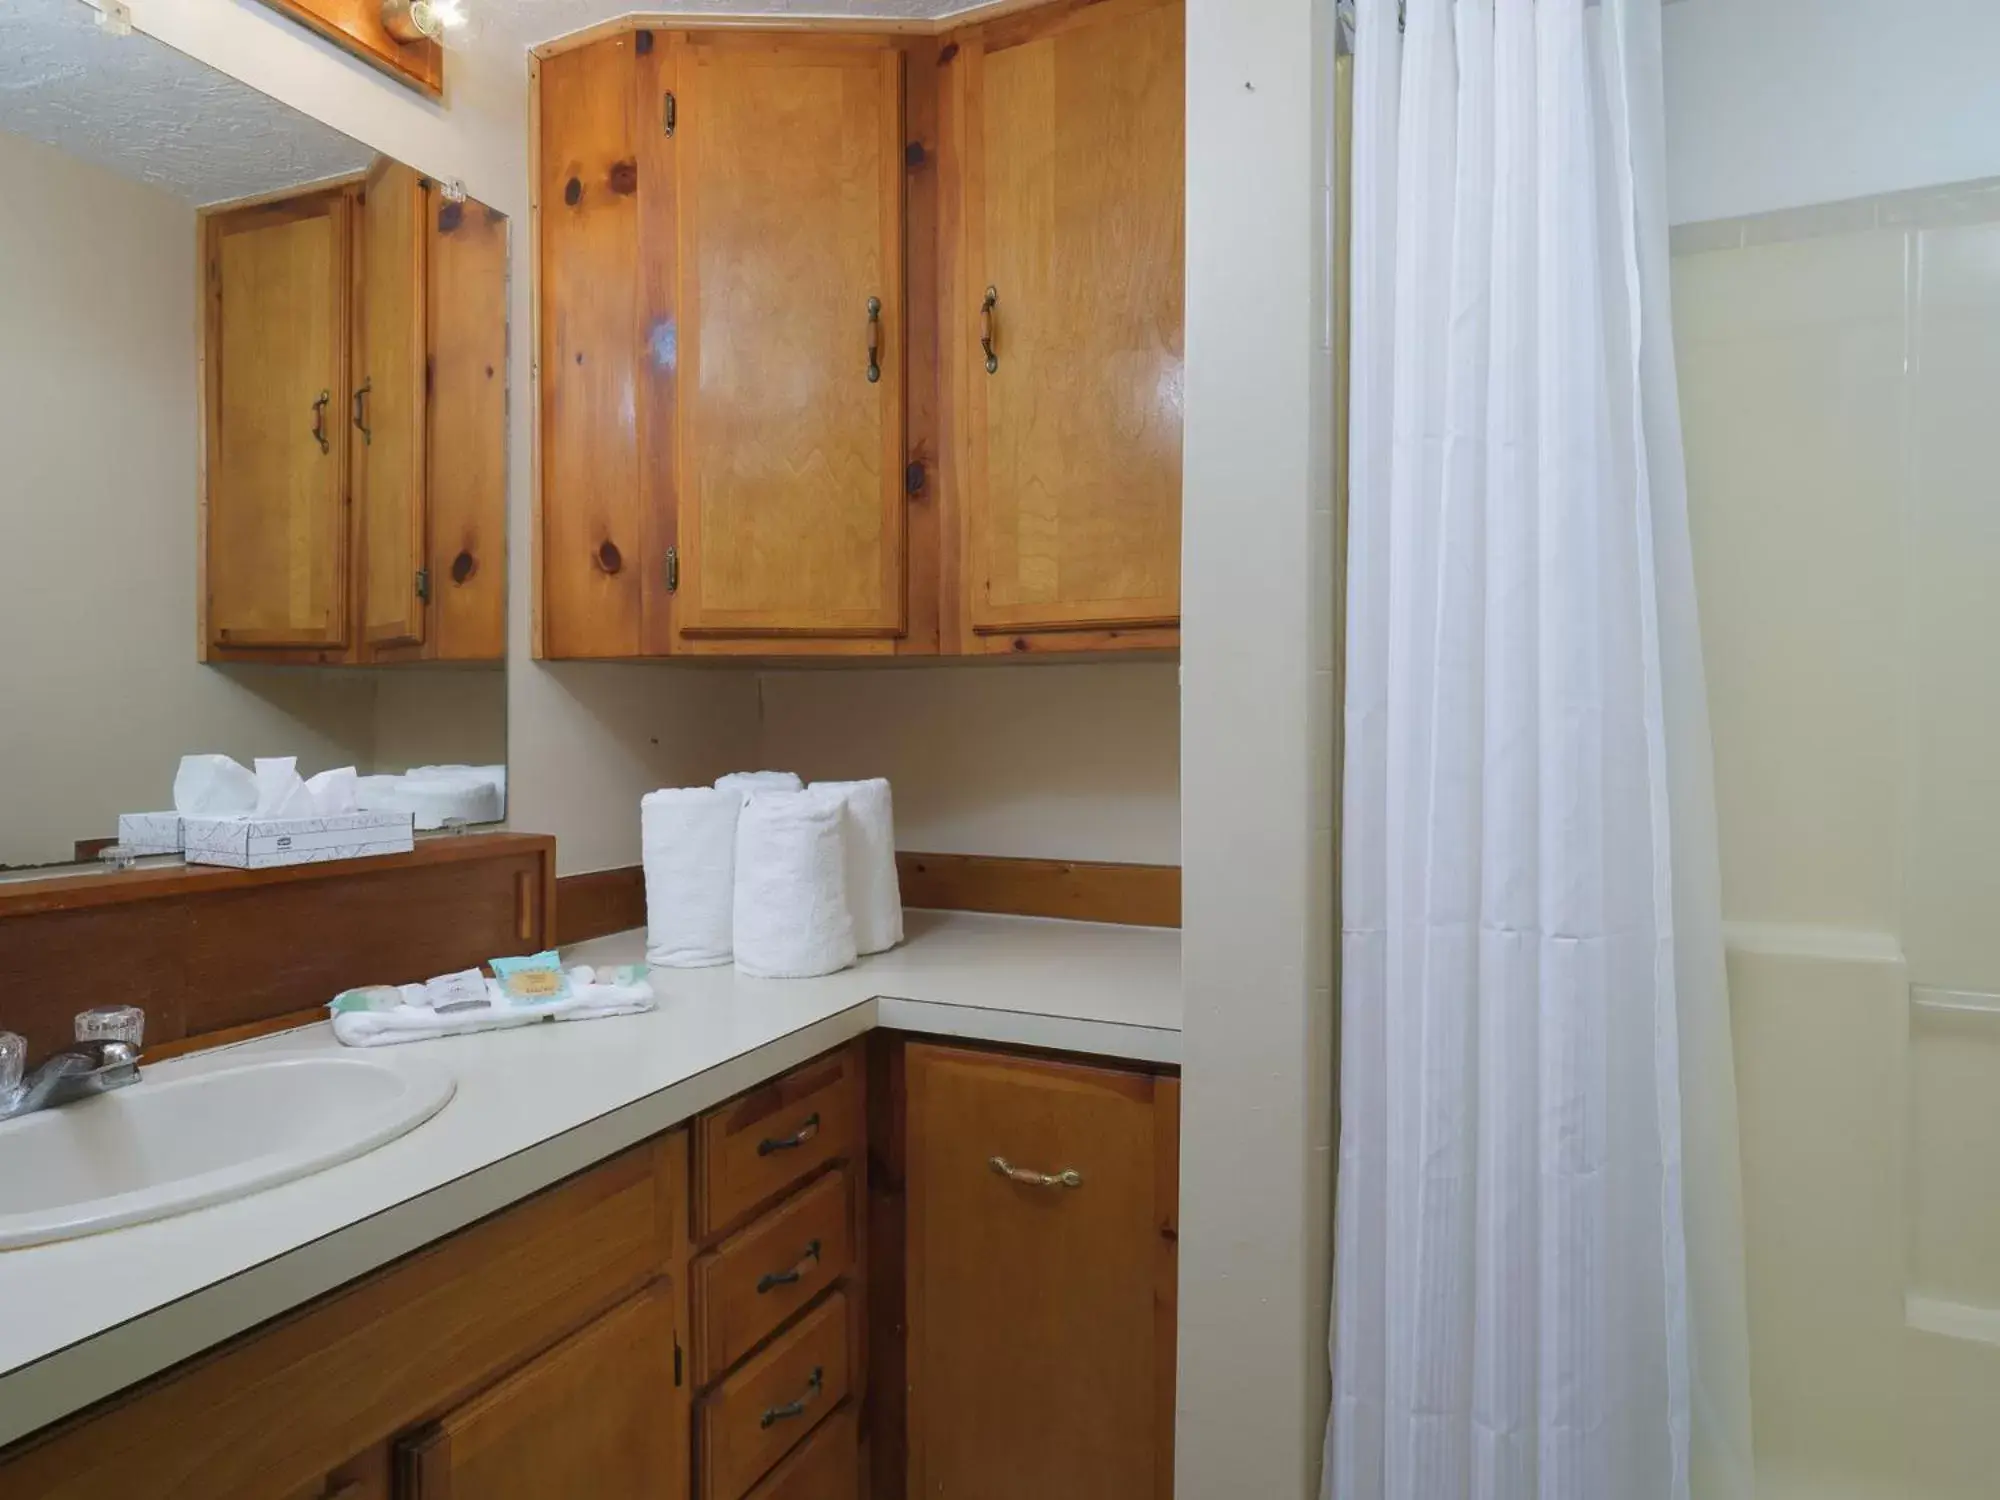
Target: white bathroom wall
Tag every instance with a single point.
(1838, 374)
(585, 741)
(1777, 103)
(97, 571)
(1040, 761)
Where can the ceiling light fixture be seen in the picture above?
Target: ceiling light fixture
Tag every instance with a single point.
(421, 20)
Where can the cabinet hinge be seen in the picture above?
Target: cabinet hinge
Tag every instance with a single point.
(673, 569)
(424, 585)
(677, 1359)
(668, 111)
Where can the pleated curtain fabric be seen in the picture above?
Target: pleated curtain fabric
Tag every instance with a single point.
(1538, 1279)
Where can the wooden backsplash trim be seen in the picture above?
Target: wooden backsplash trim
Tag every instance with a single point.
(606, 901)
(215, 955)
(1079, 890)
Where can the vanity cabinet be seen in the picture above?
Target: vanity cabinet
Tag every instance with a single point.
(1064, 175)
(354, 384)
(1042, 1223)
(779, 414)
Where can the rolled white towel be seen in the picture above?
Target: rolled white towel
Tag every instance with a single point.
(874, 898)
(687, 842)
(746, 782)
(791, 916)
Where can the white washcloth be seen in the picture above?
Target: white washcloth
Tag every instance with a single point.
(791, 916)
(414, 1021)
(874, 898)
(687, 839)
(747, 782)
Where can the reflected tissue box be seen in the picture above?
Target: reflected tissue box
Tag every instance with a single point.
(255, 843)
(150, 833)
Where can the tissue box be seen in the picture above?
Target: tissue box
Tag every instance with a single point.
(255, 843)
(150, 833)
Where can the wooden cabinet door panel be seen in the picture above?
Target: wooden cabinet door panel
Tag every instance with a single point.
(597, 1415)
(1072, 194)
(789, 171)
(1040, 1315)
(466, 450)
(387, 410)
(591, 560)
(276, 521)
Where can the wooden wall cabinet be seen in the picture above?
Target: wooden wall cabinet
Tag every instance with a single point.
(767, 424)
(354, 351)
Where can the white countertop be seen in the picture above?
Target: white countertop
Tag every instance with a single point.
(83, 1318)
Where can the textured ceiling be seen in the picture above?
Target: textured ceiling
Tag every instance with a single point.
(513, 26)
(143, 110)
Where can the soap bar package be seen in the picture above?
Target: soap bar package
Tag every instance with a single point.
(268, 843)
(150, 833)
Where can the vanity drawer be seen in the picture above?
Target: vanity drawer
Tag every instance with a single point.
(760, 1276)
(761, 1412)
(753, 1148)
(826, 1466)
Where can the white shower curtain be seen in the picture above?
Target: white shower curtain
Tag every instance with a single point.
(1538, 1281)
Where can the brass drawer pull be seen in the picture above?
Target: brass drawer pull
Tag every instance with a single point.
(361, 411)
(874, 339)
(319, 421)
(1069, 1177)
(986, 328)
(795, 1274)
(797, 1408)
(791, 1142)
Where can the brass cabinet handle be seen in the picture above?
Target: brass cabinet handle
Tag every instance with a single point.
(874, 339)
(319, 421)
(986, 328)
(1069, 1177)
(791, 1142)
(790, 1409)
(361, 411)
(794, 1275)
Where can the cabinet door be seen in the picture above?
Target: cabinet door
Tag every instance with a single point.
(599, 1415)
(466, 447)
(1070, 179)
(789, 165)
(386, 411)
(1041, 1306)
(276, 391)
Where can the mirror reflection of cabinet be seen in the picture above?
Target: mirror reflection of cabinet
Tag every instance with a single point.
(354, 347)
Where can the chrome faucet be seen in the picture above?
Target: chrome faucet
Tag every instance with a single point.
(105, 1056)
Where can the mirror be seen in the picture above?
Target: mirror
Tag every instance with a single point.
(252, 447)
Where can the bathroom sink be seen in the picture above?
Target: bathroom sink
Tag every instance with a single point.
(163, 1146)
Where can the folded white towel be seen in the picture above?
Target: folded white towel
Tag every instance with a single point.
(874, 898)
(415, 1021)
(791, 917)
(687, 842)
(747, 782)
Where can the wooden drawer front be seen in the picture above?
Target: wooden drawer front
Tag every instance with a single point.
(758, 1277)
(826, 1466)
(761, 1412)
(753, 1148)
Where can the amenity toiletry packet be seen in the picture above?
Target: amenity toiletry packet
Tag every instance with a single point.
(537, 979)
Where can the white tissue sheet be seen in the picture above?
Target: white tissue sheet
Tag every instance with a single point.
(416, 1021)
(868, 832)
(213, 786)
(747, 782)
(687, 839)
(791, 919)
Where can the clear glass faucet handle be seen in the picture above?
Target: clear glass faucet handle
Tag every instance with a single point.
(13, 1062)
(112, 1023)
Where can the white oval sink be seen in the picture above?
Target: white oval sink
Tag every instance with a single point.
(162, 1147)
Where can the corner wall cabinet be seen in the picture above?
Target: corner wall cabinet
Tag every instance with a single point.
(778, 413)
(354, 446)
